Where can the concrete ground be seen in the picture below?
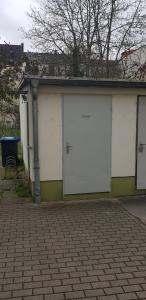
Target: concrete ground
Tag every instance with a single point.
(87, 250)
(136, 206)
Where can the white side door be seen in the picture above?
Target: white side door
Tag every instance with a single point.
(141, 144)
(87, 144)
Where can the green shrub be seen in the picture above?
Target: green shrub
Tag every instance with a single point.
(23, 189)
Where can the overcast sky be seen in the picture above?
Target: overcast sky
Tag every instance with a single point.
(12, 17)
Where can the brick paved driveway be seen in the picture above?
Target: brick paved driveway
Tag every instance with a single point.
(76, 251)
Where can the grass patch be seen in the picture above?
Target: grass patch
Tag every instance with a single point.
(22, 189)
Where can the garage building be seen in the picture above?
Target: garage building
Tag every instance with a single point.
(83, 139)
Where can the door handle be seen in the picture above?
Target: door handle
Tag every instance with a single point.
(140, 149)
(68, 148)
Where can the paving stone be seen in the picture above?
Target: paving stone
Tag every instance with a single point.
(89, 279)
(13, 274)
(107, 277)
(94, 292)
(62, 289)
(140, 274)
(78, 274)
(127, 296)
(101, 266)
(71, 281)
(113, 290)
(32, 285)
(133, 263)
(113, 271)
(4, 295)
(85, 268)
(23, 279)
(100, 284)
(95, 272)
(82, 286)
(137, 280)
(52, 283)
(42, 291)
(6, 281)
(125, 275)
(22, 293)
(119, 282)
(41, 277)
(12, 287)
(60, 276)
(132, 288)
(74, 295)
(32, 273)
(142, 295)
(129, 269)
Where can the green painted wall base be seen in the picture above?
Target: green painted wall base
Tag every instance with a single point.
(120, 186)
(51, 190)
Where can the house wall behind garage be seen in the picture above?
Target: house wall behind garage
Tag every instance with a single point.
(124, 107)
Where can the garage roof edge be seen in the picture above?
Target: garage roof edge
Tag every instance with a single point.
(109, 83)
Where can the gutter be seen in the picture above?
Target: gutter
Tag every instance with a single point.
(37, 194)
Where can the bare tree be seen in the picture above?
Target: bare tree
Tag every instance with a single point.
(90, 32)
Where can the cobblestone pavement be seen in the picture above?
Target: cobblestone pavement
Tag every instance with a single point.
(80, 250)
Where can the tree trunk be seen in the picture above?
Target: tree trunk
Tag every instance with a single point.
(75, 62)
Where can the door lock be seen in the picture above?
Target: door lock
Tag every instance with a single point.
(68, 148)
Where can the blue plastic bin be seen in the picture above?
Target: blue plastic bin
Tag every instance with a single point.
(9, 149)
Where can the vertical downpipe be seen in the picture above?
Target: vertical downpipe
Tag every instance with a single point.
(28, 146)
(34, 85)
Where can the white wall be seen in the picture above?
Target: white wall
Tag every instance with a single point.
(24, 136)
(123, 130)
(50, 136)
(23, 127)
(123, 135)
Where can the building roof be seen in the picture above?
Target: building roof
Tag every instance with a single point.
(58, 58)
(59, 64)
(54, 81)
(10, 54)
(47, 58)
